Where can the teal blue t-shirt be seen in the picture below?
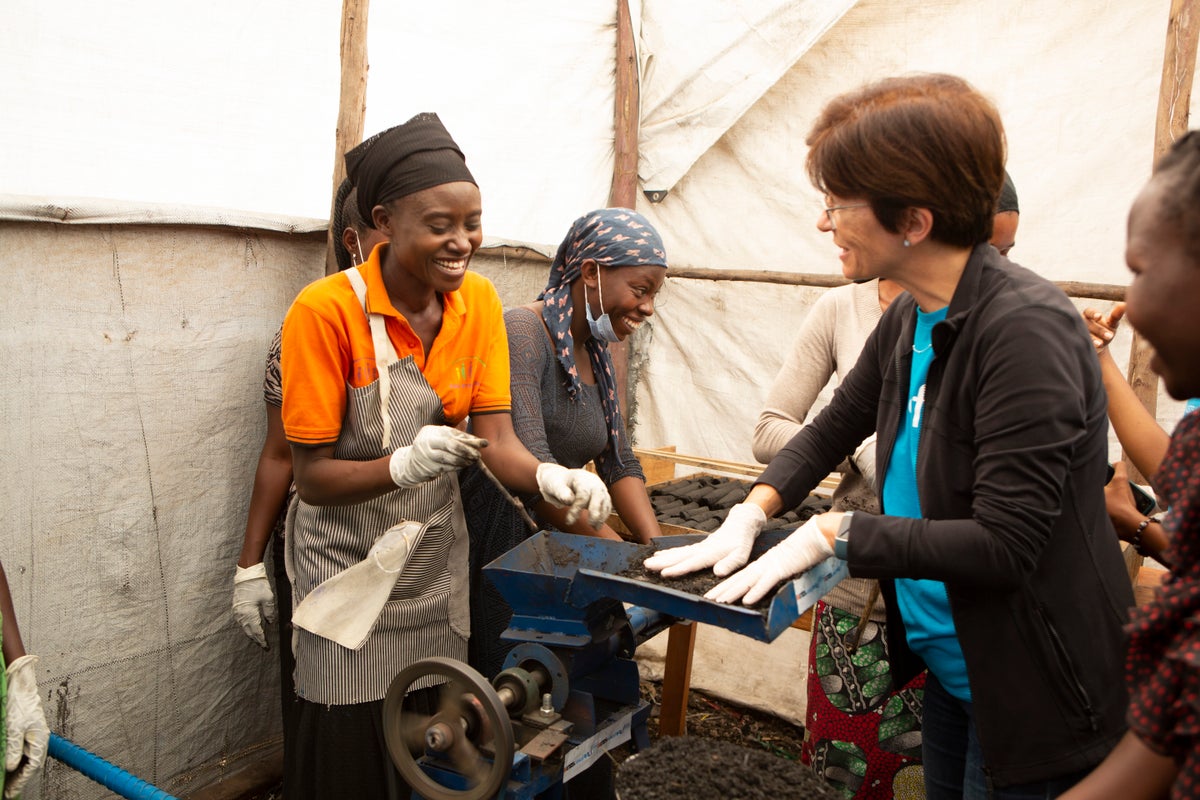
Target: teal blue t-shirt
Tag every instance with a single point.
(923, 603)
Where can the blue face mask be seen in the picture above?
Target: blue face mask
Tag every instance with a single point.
(601, 328)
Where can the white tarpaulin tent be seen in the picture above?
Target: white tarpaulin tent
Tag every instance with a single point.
(136, 320)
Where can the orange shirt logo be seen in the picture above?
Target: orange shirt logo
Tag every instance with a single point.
(468, 373)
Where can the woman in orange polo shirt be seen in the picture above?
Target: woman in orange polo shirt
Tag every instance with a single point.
(379, 366)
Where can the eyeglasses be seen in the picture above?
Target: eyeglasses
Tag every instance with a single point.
(829, 212)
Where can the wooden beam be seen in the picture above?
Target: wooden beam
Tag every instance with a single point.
(623, 192)
(823, 280)
(1179, 66)
(352, 107)
(677, 679)
(827, 280)
(708, 464)
(824, 488)
(1093, 291)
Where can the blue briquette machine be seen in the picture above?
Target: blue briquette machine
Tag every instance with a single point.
(569, 688)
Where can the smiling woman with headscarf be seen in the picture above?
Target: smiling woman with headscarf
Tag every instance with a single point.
(602, 286)
(380, 363)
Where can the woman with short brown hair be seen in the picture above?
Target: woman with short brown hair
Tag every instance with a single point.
(930, 141)
(993, 551)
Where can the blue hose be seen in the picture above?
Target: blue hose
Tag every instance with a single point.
(102, 772)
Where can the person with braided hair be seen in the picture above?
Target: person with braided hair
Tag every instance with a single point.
(254, 601)
(1159, 756)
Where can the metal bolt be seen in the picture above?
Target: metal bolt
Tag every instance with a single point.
(547, 706)
(438, 737)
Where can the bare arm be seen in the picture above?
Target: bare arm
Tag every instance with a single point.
(1139, 433)
(1145, 442)
(1126, 518)
(1132, 771)
(505, 455)
(322, 480)
(633, 506)
(271, 481)
(767, 498)
(558, 518)
(14, 648)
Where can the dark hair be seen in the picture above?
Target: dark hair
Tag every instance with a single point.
(1180, 203)
(926, 141)
(346, 215)
(1008, 196)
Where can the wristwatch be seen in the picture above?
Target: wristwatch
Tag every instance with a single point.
(841, 543)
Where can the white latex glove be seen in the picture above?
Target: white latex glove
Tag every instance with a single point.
(435, 449)
(864, 460)
(253, 601)
(576, 488)
(799, 551)
(25, 724)
(725, 549)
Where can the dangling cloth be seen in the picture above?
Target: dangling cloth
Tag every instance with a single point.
(345, 608)
(613, 237)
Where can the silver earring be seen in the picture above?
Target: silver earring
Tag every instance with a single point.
(907, 243)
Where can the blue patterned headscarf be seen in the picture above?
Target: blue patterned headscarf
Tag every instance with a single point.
(614, 237)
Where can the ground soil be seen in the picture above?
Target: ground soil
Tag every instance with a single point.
(710, 717)
(695, 767)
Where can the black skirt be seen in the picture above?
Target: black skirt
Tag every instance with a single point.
(340, 751)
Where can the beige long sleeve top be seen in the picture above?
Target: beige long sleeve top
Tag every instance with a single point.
(827, 344)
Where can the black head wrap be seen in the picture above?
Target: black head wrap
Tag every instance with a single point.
(403, 160)
(1008, 196)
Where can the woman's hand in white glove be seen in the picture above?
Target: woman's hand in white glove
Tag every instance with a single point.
(725, 549)
(802, 549)
(25, 725)
(576, 490)
(253, 601)
(436, 449)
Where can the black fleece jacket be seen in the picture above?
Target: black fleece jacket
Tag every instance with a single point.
(1011, 472)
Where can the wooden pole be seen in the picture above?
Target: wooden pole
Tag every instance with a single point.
(1174, 100)
(677, 679)
(625, 114)
(623, 192)
(824, 280)
(352, 106)
(1093, 291)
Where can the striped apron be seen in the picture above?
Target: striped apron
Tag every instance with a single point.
(427, 612)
